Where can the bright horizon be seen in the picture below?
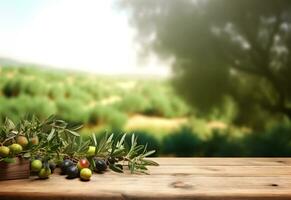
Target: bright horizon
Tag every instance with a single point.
(86, 35)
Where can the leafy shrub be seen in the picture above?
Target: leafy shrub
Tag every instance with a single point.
(56, 91)
(3, 81)
(75, 92)
(116, 120)
(34, 87)
(133, 103)
(274, 143)
(164, 103)
(7, 110)
(182, 143)
(72, 110)
(221, 144)
(108, 115)
(12, 88)
(94, 89)
(159, 106)
(41, 107)
(23, 105)
(179, 107)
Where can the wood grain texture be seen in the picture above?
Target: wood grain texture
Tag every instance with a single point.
(176, 178)
(17, 170)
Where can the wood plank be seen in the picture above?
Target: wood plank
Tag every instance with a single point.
(163, 186)
(225, 161)
(230, 179)
(225, 171)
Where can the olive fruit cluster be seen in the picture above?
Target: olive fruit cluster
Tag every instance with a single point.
(16, 148)
(69, 168)
(43, 169)
(81, 169)
(74, 171)
(23, 141)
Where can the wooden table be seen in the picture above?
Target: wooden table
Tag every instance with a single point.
(175, 178)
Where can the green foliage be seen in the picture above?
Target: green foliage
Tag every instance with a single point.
(59, 140)
(222, 49)
(84, 98)
(22, 105)
(160, 106)
(12, 88)
(34, 87)
(21, 85)
(116, 119)
(72, 110)
(56, 91)
(54, 136)
(182, 143)
(179, 107)
(133, 103)
(273, 143)
(107, 115)
(147, 139)
(79, 99)
(221, 144)
(113, 149)
(72, 92)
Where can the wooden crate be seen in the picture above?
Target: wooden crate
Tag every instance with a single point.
(18, 170)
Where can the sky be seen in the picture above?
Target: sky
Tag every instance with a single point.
(86, 35)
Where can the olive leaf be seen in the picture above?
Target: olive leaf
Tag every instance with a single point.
(116, 168)
(73, 132)
(51, 135)
(9, 160)
(9, 124)
(27, 155)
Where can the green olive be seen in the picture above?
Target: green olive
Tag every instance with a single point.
(15, 148)
(85, 174)
(44, 173)
(4, 151)
(91, 151)
(36, 165)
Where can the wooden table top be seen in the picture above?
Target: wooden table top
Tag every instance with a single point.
(175, 178)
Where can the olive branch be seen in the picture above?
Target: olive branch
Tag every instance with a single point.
(58, 139)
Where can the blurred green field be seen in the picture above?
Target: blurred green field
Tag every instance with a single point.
(99, 102)
(147, 107)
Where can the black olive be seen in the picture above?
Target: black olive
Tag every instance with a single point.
(100, 165)
(52, 165)
(65, 165)
(72, 172)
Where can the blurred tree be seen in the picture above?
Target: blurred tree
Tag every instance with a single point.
(223, 49)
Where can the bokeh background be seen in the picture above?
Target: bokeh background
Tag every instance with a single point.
(188, 77)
